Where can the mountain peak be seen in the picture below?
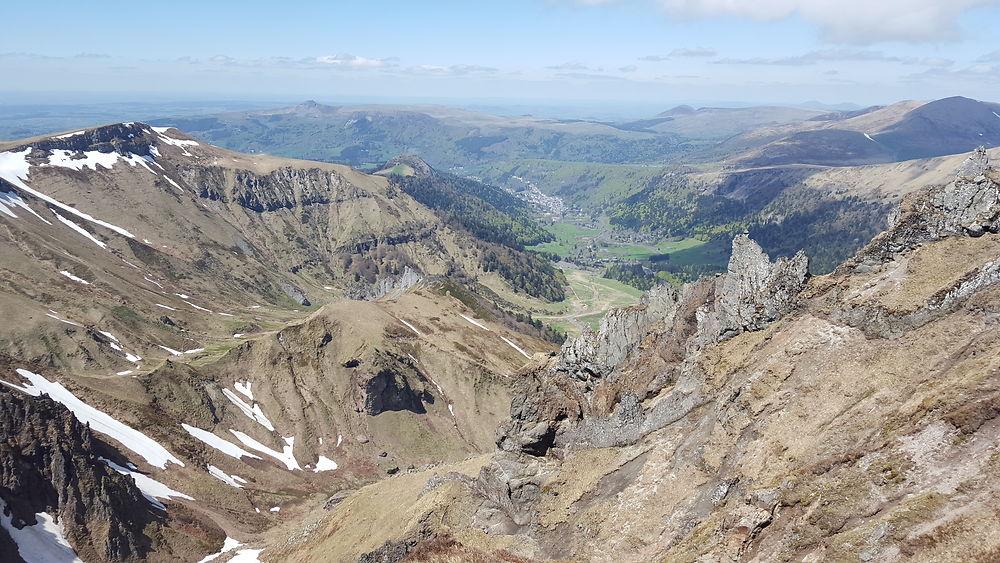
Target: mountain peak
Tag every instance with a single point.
(678, 110)
(407, 165)
(312, 107)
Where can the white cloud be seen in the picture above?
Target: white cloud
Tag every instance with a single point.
(973, 74)
(695, 52)
(571, 65)
(837, 55)
(452, 70)
(847, 21)
(347, 60)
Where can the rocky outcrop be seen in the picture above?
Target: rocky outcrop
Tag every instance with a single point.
(123, 138)
(968, 206)
(563, 406)
(593, 395)
(756, 292)
(388, 287)
(295, 293)
(48, 463)
(392, 383)
(597, 354)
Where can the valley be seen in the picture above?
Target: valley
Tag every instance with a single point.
(546, 281)
(254, 349)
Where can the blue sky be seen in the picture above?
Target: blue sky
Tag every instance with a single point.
(629, 51)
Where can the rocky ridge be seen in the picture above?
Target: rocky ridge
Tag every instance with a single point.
(760, 416)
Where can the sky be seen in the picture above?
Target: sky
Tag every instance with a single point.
(640, 52)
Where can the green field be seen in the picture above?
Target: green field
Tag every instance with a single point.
(398, 170)
(640, 252)
(714, 252)
(568, 236)
(588, 298)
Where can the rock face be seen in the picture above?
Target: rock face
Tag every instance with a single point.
(388, 386)
(388, 287)
(755, 292)
(970, 205)
(51, 465)
(583, 396)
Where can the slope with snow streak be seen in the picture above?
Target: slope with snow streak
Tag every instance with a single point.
(79, 230)
(473, 321)
(74, 278)
(149, 487)
(285, 456)
(14, 168)
(42, 543)
(154, 454)
(516, 347)
(221, 444)
(231, 480)
(254, 412)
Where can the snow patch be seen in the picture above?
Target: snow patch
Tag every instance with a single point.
(55, 315)
(275, 509)
(14, 168)
(473, 321)
(451, 409)
(244, 387)
(9, 200)
(154, 454)
(253, 412)
(227, 546)
(284, 456)
(221, 444)
(231, 480)
(171, 350)
(199, 308)
(175, 142)
(74, 278)
(340, 438)
(126, 372)
(516, 347)
(173, 183)
(68, 135)
(42, 543)
(164, 306)
(150, 488)
(325, 464)
(91, 159)
(411, 327)
(246, 556)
